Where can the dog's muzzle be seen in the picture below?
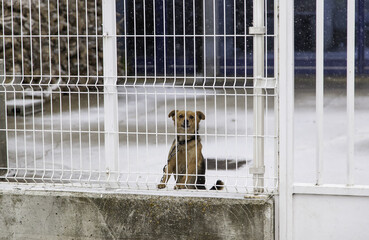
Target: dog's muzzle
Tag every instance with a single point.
(185, 124)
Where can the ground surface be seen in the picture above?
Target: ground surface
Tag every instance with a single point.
(72, 138)
(335, 136)
(69, 144)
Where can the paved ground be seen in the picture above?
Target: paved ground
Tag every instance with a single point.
(71, 139)
(335, 136)
(69, 144)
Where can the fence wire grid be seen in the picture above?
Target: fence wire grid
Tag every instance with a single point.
(85, 99)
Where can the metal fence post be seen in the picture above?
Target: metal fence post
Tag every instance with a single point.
(110, 89)
(319, 87)
(286, 122)
(3, 152)
(350, 91)
(258, 30)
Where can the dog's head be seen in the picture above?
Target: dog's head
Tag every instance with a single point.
(186, 120)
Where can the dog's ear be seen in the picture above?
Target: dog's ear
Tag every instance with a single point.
(200, 115)
(172, 113)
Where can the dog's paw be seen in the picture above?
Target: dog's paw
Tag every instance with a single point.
(176, 187)
(161, 186)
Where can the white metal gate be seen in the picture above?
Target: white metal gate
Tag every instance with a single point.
(323, 208)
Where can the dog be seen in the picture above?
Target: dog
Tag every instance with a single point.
(185, 159)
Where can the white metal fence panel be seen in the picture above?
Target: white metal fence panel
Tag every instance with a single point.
(326, 120)
(88, 87)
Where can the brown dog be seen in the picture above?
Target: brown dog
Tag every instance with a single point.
(185, 159)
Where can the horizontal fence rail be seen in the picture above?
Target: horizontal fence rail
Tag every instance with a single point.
(88, 89)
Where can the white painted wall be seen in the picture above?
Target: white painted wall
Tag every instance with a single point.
(330, 217)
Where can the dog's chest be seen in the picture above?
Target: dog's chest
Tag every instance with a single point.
(189, 155)
(189, 149)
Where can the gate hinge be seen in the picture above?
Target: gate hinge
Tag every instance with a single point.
(257, 170)
(256, 30)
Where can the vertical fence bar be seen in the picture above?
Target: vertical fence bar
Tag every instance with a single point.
(286, 109)
(110, 88)
(276, 97)
(258, 30)
(277, 118)
(350, 89)
(319, 87)
(3, 151)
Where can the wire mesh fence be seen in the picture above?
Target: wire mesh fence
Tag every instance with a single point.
(89, 89)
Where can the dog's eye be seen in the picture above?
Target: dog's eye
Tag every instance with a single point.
(191, 117)
(181, 116)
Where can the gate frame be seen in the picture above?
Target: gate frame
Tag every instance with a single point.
(284, 212)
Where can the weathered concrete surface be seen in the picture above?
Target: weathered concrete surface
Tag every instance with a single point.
(60, 215)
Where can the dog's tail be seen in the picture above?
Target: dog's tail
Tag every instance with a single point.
(219, 185)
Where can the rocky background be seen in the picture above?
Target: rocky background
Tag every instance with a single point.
(52, 41)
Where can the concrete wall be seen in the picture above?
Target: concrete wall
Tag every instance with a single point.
(61, 215)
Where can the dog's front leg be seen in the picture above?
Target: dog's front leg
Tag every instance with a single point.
(165, 178)
(188, 179)
(181, 182)
(182, 179)
(167, 172)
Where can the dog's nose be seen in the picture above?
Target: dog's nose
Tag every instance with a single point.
(185, 123)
